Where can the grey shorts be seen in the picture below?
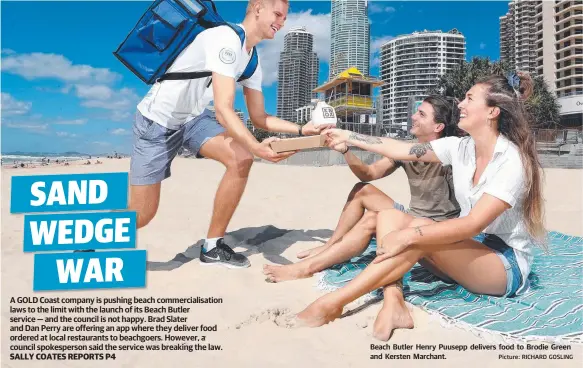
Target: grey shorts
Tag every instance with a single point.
(156, 146)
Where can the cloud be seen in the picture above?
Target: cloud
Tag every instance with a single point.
(41, 65)
(11, 106)
(99, 143)
(120, 116)
(120, 131)
(118, 102)
(71, 122)
(375, 48)
(107, 98)
(37, 128)
(66, 134)
(93, 86)
(376, 8)
(377, 42)
(482, 45)
(96, 92)
(269, 50)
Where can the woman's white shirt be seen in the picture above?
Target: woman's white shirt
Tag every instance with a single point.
(503, 178)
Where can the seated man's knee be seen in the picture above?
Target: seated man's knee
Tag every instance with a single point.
(389, 215)
(370, 220)
(360, 189)
(390, 220)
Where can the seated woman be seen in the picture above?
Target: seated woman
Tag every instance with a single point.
(432, 196)
(488, 249)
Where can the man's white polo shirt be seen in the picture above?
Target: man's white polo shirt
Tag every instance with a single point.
(172, 103)
(503, 178)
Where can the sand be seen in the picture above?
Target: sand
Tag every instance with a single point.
(285, 209)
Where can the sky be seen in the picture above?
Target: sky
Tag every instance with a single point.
(62, 88)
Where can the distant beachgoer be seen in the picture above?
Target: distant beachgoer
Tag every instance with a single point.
(175, 113)
(488, 249)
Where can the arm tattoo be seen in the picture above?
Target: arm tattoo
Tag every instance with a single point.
(365, 138)
(420, 149)
(418, 230)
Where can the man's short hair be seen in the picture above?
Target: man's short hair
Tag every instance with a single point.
(253, 2)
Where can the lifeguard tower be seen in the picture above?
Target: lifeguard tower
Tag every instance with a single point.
(350, 93)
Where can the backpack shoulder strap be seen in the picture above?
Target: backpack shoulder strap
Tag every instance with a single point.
(252, 65)
(247, 73)
(238, 30)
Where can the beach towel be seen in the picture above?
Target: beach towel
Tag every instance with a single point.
(551, 310)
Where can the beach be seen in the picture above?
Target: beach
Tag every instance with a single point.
(284, 210)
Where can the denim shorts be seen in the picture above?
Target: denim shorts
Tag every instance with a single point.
(155, 146)
(399, 207)
(506, 254)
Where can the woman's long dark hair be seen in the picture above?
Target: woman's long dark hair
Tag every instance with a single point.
(513, 123)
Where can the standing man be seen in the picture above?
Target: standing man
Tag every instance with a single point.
(174, 114)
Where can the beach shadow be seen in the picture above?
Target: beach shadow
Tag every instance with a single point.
(267, 240)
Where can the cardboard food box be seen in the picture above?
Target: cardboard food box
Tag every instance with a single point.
(294, 144)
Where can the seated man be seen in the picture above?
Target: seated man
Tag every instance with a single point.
(432, 196)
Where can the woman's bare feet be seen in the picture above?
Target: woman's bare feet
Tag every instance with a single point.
(285, 273)
(311, 252)
(319, 313)
(394, 314)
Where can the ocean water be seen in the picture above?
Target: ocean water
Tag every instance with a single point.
(37, 159)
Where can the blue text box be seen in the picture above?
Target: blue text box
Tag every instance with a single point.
(95, 270)
(70, 192)
(72, 231)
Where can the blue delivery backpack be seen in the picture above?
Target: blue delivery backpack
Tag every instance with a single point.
(164, 31)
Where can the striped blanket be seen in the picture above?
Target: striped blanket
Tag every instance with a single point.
(551, 310)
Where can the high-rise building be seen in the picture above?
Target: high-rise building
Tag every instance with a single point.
(240, 114)
(562, 55)
(410, 65)
(298, 70)
(518, 36)
(250, 125)
(557, 45)
(350, 37)
(507, 35)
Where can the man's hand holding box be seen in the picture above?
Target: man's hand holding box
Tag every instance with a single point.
(323, 117)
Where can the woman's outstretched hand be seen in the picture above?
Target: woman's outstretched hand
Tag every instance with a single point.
(394, 243)
(335, 136)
